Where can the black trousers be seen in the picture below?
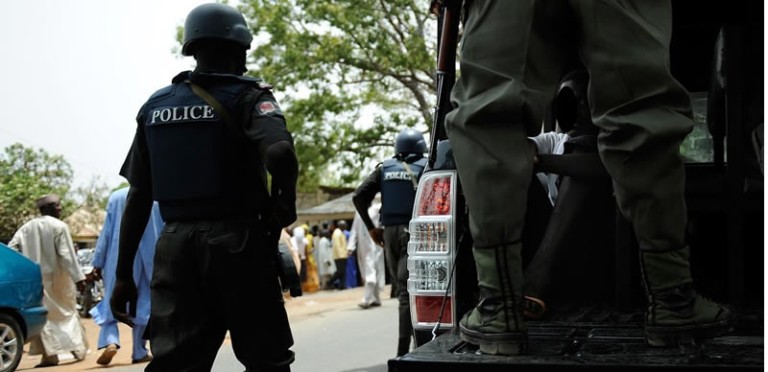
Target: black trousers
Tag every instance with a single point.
(396, 251)
(211, 277)
(341, 273)
(574, 257)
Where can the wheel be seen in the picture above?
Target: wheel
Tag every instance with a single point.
(11, 343)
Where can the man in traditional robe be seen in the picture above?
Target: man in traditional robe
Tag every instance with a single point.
(105, 265)
(370, 257)
(47, 241)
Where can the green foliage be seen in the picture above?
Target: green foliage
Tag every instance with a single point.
(94, 196)
(25, 175)
(350, 74)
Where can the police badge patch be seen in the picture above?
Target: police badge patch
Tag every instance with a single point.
(268, 108)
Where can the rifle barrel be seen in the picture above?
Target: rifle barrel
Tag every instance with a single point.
(446, 70)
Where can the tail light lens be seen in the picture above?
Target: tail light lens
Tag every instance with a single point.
(429, 308)
(431, 250)
(436, 197)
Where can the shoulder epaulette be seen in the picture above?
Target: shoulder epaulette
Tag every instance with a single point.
(161, 92)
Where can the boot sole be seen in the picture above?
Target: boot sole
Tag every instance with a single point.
(495, 343)
(665, 336)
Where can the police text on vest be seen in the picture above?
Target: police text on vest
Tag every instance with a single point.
(182, 113)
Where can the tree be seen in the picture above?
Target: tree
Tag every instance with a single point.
(91, 209)
(25, 175)
(95, 195)
(350, 73)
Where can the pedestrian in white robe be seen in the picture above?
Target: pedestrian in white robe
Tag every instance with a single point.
(370, 258)
(105, 265)
(300, 242)
(47, 241)
(326, 266)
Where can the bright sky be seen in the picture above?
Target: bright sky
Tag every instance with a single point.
(75, 73)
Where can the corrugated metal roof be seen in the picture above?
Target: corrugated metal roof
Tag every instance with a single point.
(340, 208)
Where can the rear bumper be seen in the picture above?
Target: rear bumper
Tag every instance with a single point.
(34, 318)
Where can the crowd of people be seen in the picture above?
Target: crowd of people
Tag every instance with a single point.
(333, 256)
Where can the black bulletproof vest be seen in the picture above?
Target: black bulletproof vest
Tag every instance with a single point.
(200, 165)
(397, 190)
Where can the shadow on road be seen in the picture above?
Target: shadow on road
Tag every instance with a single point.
(376, 368)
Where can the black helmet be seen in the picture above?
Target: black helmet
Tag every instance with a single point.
(215, 21)
(410, 141)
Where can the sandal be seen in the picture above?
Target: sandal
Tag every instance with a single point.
(534, 308)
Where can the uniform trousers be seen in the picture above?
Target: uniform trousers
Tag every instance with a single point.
(211, 277)
(396, 251)
(512, 55)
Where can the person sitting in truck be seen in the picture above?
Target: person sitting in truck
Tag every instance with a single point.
(569, 154)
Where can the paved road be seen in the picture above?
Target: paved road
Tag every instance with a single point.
(347, 339)
(331, 335)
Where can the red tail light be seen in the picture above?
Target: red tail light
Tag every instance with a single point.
(431, 251)
(428, 309)
(435, 197)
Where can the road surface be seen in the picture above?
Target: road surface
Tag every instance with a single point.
(331, 334)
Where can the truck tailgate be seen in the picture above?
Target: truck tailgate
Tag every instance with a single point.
(608, 346)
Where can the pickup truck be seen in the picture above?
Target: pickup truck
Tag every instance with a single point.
(717, 54)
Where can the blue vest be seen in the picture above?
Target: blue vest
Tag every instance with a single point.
(397, 190)
(200, 167)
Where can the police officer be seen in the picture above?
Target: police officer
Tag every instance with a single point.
(396, 179)
(202, 148)
(643, 114)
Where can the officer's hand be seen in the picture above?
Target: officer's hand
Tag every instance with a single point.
(123, 302)
(377, 234)
(350, 252)
(80, 285)
(283, 213)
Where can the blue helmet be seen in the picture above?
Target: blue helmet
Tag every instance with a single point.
(410, 141)
(215, 21)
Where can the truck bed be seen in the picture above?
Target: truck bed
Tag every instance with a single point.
(593, 338)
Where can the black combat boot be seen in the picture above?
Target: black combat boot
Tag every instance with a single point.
(676, 314)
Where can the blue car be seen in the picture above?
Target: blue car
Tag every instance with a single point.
(22, 314)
